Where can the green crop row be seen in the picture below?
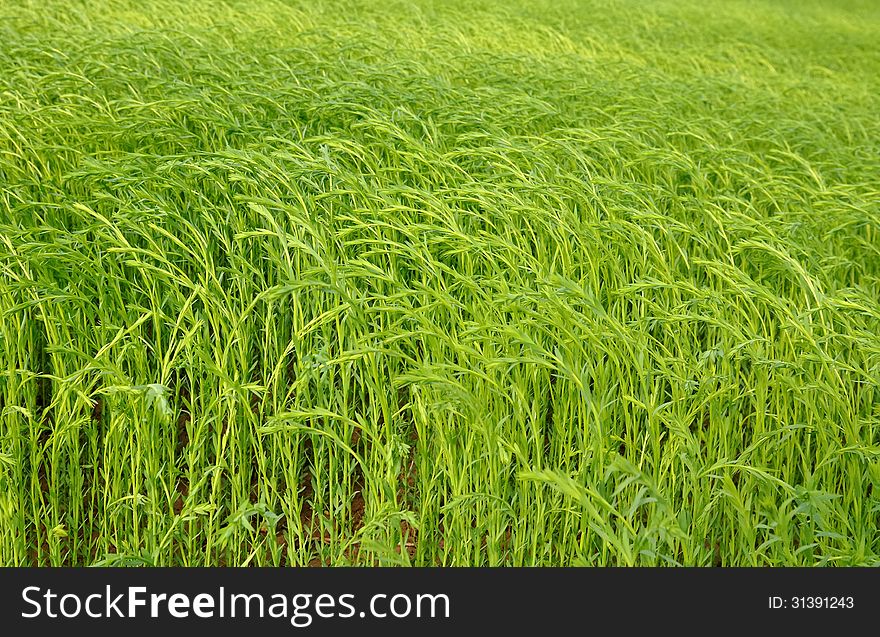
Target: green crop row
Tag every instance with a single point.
(450, 283)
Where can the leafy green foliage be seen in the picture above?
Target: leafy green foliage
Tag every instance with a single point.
(439, 283)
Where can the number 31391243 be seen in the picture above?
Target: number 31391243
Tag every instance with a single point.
(822, 602)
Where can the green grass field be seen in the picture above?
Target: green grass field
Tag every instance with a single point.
(439, 283)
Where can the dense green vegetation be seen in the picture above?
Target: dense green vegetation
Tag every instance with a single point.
(453, 283)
